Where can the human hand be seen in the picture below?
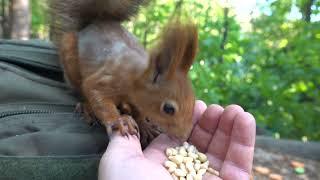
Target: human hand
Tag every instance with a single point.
(227, 136)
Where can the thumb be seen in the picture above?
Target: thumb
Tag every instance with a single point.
(123, 147)
(120, 149)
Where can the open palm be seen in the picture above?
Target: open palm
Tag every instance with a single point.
(227, 136)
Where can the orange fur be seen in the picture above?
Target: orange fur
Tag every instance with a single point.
(69, 59)
(172, 57)
(110, 68)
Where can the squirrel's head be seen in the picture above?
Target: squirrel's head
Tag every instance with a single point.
(164, 94)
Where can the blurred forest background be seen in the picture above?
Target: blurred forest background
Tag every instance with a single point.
(263, 55)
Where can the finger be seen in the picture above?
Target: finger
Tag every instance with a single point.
(210, 118)
(221, 139)
(199, 108)
(202, 132)
(239, 159)
(156, 150)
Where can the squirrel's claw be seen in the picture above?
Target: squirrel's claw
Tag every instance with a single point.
(126, 125)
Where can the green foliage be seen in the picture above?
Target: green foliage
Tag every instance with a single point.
(273, 71)
(283, 59)
(39, 19)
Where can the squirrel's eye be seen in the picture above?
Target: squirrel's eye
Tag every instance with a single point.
(169, 108)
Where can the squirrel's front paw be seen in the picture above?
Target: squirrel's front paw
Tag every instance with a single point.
(125, 125)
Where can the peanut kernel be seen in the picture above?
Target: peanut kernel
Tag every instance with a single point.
(197, 177)
(197, 166)
(169, 152)
(186, 145)
(183, 152)
(174, 152)
(213, 171)
(201, 171)
(169, 164)
(187, 159)
(202, 157)
(171, 169)
(189, 177)
(191, 148)
(189, 166)
(178, 159)
(204, 165)
(180, 173)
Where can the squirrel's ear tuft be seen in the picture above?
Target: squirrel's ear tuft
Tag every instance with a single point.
(191, 47)
(176, 50)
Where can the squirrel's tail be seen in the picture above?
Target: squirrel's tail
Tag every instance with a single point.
(73, 15)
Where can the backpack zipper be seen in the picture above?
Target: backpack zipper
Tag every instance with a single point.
(17, 109)
(14, 113)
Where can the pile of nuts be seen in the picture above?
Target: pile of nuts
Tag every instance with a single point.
(187, 163)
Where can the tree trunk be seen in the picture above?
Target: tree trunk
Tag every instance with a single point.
(306, 11)
(5, 29)
(2, 18)
(19, 19)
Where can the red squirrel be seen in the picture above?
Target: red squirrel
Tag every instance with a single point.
(109, 67)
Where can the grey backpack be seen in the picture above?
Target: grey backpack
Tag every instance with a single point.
(41, 137)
